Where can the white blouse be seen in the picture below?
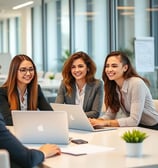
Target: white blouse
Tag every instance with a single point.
(80, 95)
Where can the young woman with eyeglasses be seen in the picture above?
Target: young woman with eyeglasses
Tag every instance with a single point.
(21, 90)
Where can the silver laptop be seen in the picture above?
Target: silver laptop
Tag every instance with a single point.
(77, 118)
(41, 126)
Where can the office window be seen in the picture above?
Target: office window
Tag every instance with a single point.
(137, 19)
(91, 30)
(13, 36)
(9, 36)
(154, 29)
(1, 36)
(57, 33)
(50, 34)
(92, 26)
(133, 21)
(37, 37)
(4, 36)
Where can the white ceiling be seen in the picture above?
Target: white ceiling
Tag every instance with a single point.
(8, 4)
(6, 7)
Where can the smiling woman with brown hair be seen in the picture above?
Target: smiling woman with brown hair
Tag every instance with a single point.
(79, 85)
(128, 91)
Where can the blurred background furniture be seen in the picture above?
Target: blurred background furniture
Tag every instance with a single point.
(4, 159)
(50, 83)
(156, 103)
(5, 59)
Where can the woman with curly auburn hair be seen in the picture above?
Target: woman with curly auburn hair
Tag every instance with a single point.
(79, 85)
(126, 90)
(21, 90)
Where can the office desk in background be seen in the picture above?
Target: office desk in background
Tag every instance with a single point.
(110, 159)
(52, 85)
(49, 88)
(2, 79)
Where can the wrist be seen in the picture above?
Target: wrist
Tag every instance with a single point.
(44, 153)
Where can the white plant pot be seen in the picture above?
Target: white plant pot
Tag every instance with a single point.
(134, 149)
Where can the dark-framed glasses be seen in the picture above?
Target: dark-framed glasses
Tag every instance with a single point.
(25, 70)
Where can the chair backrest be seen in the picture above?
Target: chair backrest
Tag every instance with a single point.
(58, 76)
(4, 159)
(155, 101)
(40, 74)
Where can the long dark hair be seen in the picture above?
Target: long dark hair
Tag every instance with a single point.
(111, 97)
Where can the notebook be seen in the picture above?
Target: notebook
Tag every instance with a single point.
(41, 126)
(77, 118)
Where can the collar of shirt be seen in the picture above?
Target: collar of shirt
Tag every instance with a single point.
(23, 104)
(124, 86)
(81, 91)
(80, 95)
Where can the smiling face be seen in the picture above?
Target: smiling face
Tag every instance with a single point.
(79, 69)
(115, 69)
(25, 73)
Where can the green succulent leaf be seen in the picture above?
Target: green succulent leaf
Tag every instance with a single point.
(134, 136)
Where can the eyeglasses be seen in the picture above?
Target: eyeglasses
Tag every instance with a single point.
(25, 70)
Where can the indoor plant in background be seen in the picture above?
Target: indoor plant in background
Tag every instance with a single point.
(51, 77)
(134, 141)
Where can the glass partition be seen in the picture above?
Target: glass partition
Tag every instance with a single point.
(52, 29)
(91, 30)
(137, 19)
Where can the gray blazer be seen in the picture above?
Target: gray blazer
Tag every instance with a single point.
(93, 98)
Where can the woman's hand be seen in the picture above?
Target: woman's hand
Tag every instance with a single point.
(97, 122)
(50, 150)
(103, 123)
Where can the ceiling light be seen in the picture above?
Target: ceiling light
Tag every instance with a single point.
(23, 5)
(152, 9)
(127, 13)
(125, 7)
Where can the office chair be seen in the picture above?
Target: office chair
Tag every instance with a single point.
(4, 159)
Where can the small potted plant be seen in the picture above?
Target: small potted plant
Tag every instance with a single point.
(51, 77)
(134, 139)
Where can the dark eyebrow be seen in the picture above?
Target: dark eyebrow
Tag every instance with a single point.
(81, 64)
(113, 64)
(26, 67)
